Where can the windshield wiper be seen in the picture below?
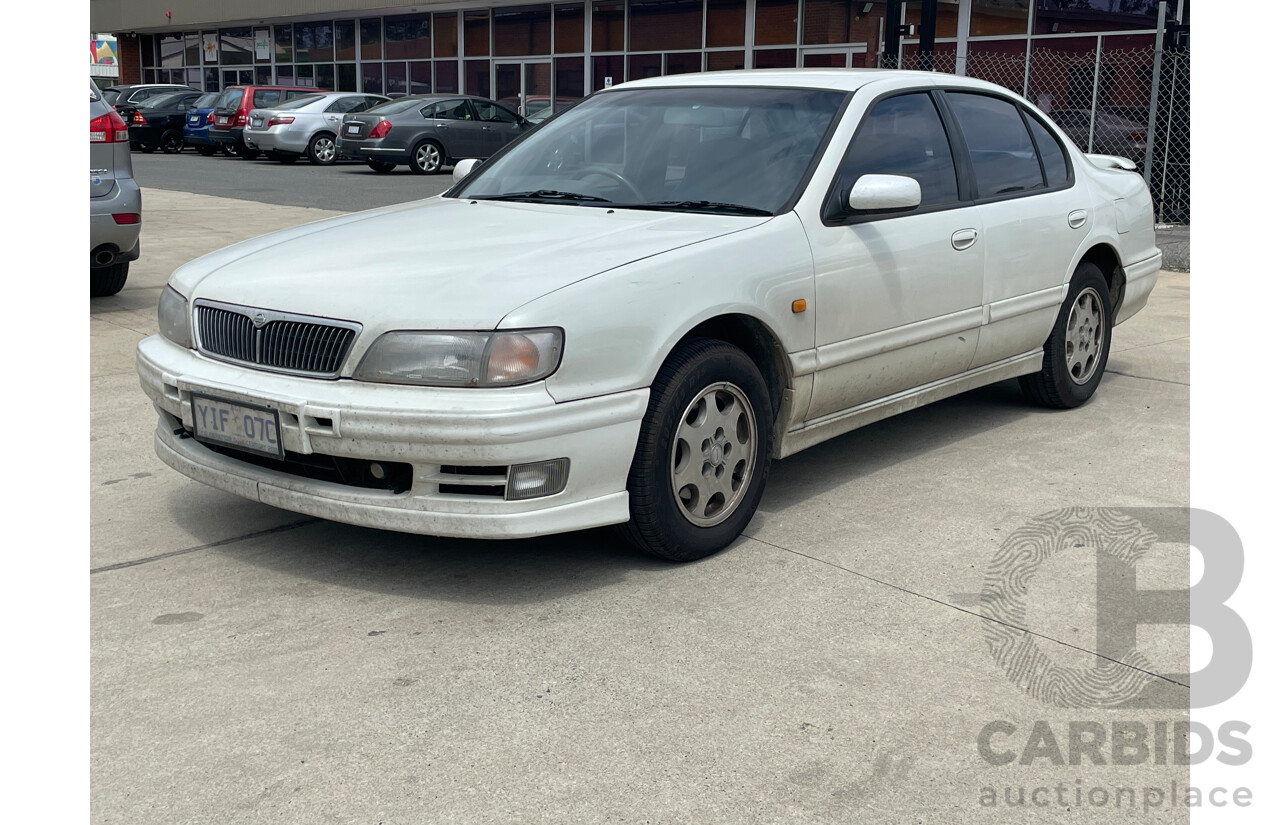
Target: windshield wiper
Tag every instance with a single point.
(699, 206)
(542, 195)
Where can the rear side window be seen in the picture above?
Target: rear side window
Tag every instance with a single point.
(903, 135)
(1051, 153)
(265, 97)
(1000, 148)
(448, 110)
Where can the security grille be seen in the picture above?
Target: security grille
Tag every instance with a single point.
(274, 340)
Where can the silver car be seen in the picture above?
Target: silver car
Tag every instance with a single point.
(305, 126)
(115, 201)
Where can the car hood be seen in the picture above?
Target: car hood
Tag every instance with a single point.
(442, 263)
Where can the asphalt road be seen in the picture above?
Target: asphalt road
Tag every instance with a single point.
(250, 665)
(346, 186)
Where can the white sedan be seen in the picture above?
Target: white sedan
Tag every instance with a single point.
(624, 316)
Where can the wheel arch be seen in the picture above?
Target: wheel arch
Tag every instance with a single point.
(757, 340)
(1104, 256)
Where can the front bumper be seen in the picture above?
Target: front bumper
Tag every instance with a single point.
(434, 430)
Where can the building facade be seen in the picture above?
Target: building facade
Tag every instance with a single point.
(565, 50)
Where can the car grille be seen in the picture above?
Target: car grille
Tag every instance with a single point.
(280, 341)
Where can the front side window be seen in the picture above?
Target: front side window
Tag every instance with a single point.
(729, 150)
(1000, 148)
(493, 112)
(902, 135)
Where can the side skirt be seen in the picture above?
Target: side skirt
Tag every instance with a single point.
(820, 429)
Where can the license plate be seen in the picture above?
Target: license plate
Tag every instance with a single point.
(353, 130)
(246, 426)
(194, 121)
(257, 121)
(222, 119)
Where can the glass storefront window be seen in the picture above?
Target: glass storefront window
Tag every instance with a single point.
(284, 44)
(775, 58)
(446, 76)
(643, 65)
(570, 78)
(344, 40)
(666, 24)
(1065, 16)
(445, 39)
(842, 21)
(726, 61)
(371, 77)
(313, 42)
(191, 49)
(478, 82)
(569, 28)
(407, 37)
(284, 75)
(997, 17)
(684, 62)
(420, 77)
(397, 79)
(776, 22)
(606, 67)
(520, 30)
(726, 22)
(608, 18)
(171, 50)
(347, 78)
(371, 43)
(475, 33)
(211, 80)
(235, 47)
(947, 19)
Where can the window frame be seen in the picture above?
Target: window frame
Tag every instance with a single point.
(834, 212)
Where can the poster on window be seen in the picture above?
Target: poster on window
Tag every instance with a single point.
(211, 47)
(261, 45)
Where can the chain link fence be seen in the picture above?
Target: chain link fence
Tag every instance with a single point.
(1103, 99)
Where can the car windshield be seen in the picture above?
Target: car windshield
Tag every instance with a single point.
(395, 107)
(206, 101)
(298, 102)
(731, 150)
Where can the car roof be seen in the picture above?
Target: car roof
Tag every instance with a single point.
(846, 80)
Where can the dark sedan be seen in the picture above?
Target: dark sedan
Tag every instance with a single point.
(126, 99)
(428, 132)
(157, 123)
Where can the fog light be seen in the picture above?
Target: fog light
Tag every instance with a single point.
(542, 478)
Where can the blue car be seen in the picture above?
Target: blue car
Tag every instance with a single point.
(195, 129)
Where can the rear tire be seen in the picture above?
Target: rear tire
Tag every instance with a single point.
(380, 167)
(108, 280)
(703, 455)
(171, 142)
(1075, 356)
(427, 158)
(322, 151)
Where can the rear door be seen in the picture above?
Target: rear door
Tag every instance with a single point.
(458, 128)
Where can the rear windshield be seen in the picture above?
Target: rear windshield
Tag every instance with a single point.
(165, 101)
(206, 101)
(299, 102)
(395, 107)
(230, 100)
(110, 96)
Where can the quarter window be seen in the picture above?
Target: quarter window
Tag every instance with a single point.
(903, 135)
(1051, 153)
(1000, 149)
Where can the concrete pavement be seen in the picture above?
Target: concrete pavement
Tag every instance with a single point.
(253, 665)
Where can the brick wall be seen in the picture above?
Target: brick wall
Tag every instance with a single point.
(129, 55)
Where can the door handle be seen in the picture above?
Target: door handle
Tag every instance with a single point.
(962, 239)
(1077, 218)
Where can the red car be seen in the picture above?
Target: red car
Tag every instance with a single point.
(231, 113)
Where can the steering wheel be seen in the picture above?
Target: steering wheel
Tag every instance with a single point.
(605, 171)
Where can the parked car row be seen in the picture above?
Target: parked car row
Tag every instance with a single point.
(285, 123)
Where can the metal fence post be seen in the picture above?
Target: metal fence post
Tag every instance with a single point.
(1155, 94)
(1093, 105)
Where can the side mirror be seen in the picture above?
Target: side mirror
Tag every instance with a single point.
(464, 167)
(884, 193)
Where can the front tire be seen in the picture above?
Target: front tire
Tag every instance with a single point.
(108, 280)
(703, 455)
(427, 158)
(1075, 356)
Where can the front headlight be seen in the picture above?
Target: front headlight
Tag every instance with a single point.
(463, 359)
(174, 317)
